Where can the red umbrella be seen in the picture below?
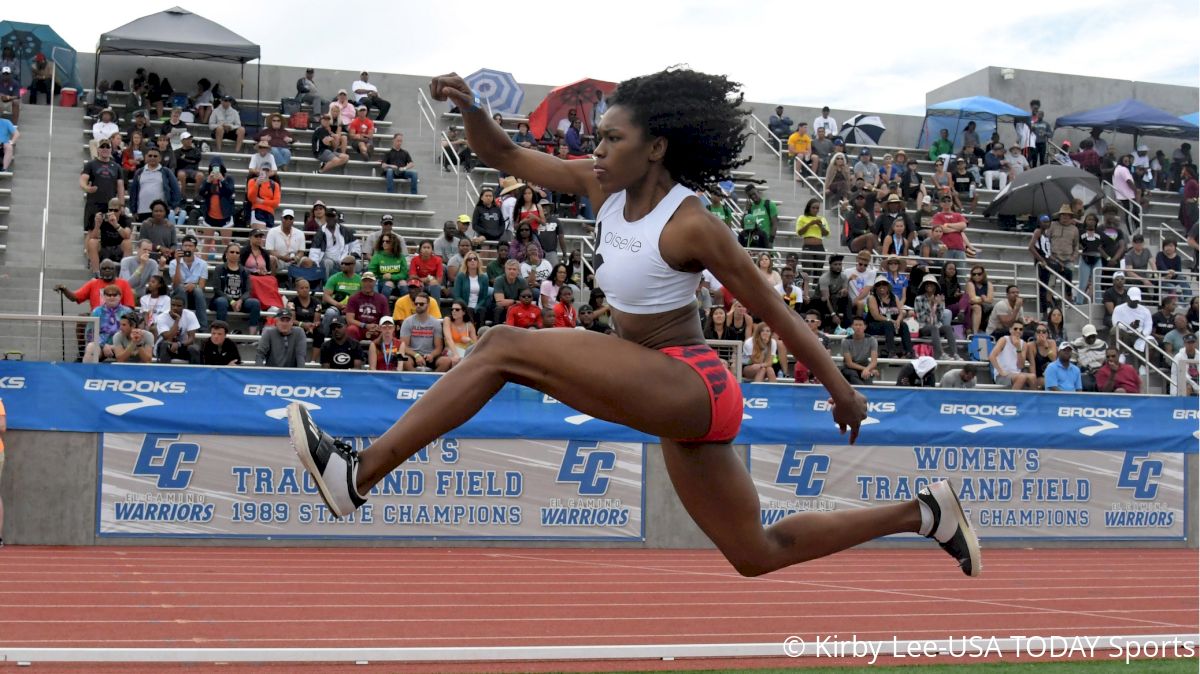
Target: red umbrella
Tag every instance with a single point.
(579, 96)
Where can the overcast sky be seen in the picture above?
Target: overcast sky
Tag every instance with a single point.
(887, 54)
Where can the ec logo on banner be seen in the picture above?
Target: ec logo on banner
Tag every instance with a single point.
(584, 469)
(163, 462)
(1137, 476)
(798, 467)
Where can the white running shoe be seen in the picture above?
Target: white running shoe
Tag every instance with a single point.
(951, 529)
(333, 464)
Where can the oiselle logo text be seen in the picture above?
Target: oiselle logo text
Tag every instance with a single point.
(975, 646)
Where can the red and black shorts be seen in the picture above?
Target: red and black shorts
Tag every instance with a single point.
(724, 393)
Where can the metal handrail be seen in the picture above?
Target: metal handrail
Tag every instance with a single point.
(425, 107)
(1154, 279)
(1064, 301)
(1179, 238)
(451, 156)
(755, 125)
(1107, 199)
(1151, 347)
(93, 321)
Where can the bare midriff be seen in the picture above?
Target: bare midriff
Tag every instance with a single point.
(678, 327)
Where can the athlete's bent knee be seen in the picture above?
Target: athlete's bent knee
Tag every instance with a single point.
(498, 339)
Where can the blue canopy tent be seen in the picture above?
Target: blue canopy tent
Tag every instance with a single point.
(1131, 116)
(30, 39)
(987, 113)
(1193, 118)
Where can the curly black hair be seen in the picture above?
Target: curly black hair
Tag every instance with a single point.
(699, 115)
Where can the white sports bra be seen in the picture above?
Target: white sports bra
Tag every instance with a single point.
(630, 268)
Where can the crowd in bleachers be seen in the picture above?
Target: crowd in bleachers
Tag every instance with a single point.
(166, 217)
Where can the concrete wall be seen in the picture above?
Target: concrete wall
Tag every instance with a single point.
(1063, 94)
(50, 481)
(902, 130)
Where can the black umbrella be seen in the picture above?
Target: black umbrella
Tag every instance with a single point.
(1043, 190)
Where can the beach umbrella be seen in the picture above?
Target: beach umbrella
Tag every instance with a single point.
(862, 130)
(578, 96)
(499, 89)
(1045, 189)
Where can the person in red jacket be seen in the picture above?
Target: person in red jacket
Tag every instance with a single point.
(525, 314)
(565, 315)
(264, 195)
(428, 268)
(1117, 377)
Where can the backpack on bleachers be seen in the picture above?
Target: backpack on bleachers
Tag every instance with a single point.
(289, 106)
(298, 120)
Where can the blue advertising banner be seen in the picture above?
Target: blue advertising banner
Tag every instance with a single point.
(251, 401)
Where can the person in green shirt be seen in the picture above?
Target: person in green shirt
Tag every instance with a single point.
(719, 208)
(389, 265)
(495, 268)
(338, 290)
(758, 224)
(942, 147)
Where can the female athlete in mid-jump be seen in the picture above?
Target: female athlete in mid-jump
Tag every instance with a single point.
(663, 136)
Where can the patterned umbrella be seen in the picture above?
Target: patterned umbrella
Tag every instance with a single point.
(499, 89)
(862, 130)
(579, 96)
(29, 39)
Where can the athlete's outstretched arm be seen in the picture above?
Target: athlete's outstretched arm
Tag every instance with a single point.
(707, 243)
(497, 150)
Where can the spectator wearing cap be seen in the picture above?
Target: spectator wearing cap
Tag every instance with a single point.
(387, 223)
(263, 161)
(264, 196)
(367, 94)
(466, 231)
(110, 237)
(152, 182)
(934, 318)
(341, 110)
(101, 182)
(1138, 323)
(362, 133)
(226, 119)
(386, 354)
(825, 121)
(405, 304)
(1089, 355)
(283, 344)
(286, 242)
(866, 168)
(105, 128)
(279, 141)
(398, 163)
(332, 244)
(960, 377)
(187, 165)
(1184, 363)
(10, 94)
(1017, 164)
(1062, 374)
(43, 72)
(306, 92)
(329, 145)
(341, 351)
(1114, 296)
(893, 212)
(780, 125)
(364, 309)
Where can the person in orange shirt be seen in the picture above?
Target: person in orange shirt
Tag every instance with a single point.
(264, 195)
(90, 292)
(362, 133)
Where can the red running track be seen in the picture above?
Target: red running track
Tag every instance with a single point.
(356, 597)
